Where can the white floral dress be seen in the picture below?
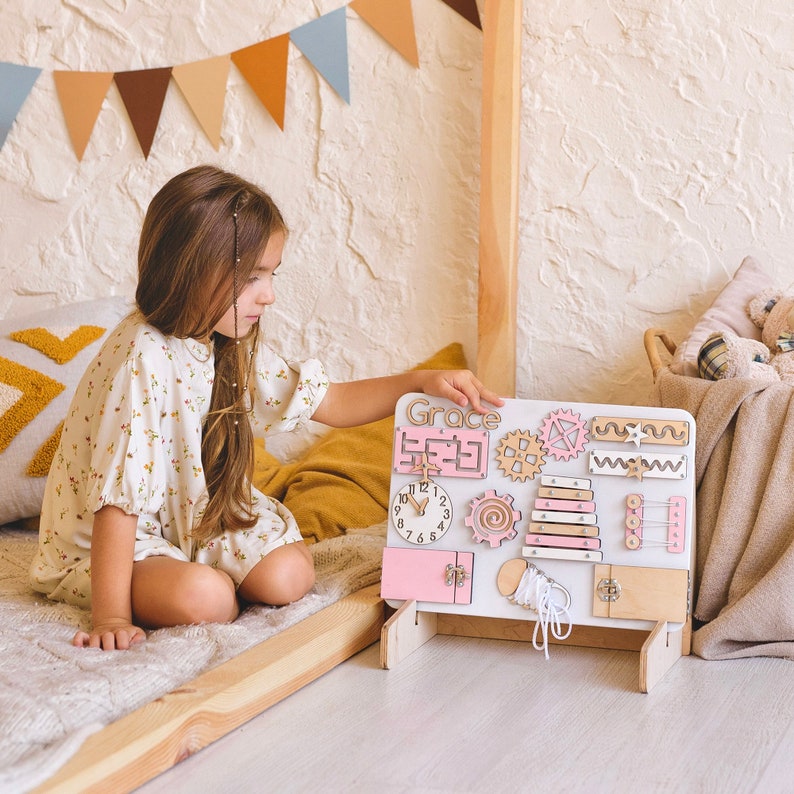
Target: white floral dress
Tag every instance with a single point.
(132, 438)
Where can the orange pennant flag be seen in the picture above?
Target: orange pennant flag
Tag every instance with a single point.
(264, 66)
(204, 85)
(394, 20)
(81, 95)
(143, 94)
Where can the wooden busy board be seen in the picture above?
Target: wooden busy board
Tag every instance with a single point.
(599, 498)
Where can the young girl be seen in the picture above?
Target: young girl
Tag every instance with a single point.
(149, 515)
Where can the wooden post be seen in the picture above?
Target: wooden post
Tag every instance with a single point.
(499, 176)
(404, 632)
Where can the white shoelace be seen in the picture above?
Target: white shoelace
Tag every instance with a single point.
(535, 592)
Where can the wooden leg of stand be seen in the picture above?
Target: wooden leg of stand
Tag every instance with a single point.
(404, 632)
(660, 652)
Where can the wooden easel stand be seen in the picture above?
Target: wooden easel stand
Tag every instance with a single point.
(408, 629)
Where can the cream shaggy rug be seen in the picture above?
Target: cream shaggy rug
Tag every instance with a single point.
(53, 696)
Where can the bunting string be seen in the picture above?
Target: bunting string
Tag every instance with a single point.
(322, 41)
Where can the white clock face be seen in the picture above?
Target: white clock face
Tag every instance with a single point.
(421, 512)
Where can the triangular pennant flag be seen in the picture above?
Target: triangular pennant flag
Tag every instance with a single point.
(16, 83)
(264, 66)
(394, 20)
(204, 85)
(143, 94)
(81, 95)
(324, 42)
(467, 9)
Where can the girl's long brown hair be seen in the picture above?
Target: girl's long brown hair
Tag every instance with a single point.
(186, 282)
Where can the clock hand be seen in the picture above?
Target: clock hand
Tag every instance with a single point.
(413, 501)
(419, 508)
(423, 506)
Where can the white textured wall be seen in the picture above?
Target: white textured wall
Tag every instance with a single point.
(656, 153)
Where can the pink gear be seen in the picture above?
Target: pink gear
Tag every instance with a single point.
(492, 518)
(564, 434)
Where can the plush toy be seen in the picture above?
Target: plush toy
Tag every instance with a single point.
(727, 355)
(773, 313)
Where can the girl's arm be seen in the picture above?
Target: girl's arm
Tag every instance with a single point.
(361, 401)
(112, 548)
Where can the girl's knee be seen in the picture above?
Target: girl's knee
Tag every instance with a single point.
(299, 577)
(209, 596)
(283, 576)
(171, 593)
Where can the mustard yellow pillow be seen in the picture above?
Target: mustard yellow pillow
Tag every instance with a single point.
(42, 358)
(342, 481)
(271, 476)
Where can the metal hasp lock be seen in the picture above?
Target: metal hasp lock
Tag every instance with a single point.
(637, 593)
(609, 590)
(455, 574)
(438, 576)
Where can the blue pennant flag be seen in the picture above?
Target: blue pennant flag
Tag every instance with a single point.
(324, 42)
(15, 85)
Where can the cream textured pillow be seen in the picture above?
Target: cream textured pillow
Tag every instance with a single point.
(727, 312)
(42, 358)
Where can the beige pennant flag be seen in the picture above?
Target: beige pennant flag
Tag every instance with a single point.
(394, 21)
(81, 95)
(203, 84)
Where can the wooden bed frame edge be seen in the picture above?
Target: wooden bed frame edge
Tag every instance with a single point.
(160, 734)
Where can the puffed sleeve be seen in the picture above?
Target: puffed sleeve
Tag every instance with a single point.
(286, 394)
(127, 467)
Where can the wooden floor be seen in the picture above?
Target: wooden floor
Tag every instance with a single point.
(471, 715)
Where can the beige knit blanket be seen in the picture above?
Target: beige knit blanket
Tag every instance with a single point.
(744, 462)
(53, 696)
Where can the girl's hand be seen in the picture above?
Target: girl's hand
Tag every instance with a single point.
(110, 636)
(462, 388)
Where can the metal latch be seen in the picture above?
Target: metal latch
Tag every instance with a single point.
(456, 574)
(608, 590)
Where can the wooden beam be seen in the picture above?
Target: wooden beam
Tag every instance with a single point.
(522, 630)
(157, 736)
(499, 177)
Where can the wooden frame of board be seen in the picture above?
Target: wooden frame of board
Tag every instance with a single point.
(157, 736)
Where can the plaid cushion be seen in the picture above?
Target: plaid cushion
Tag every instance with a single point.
(713, 358)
